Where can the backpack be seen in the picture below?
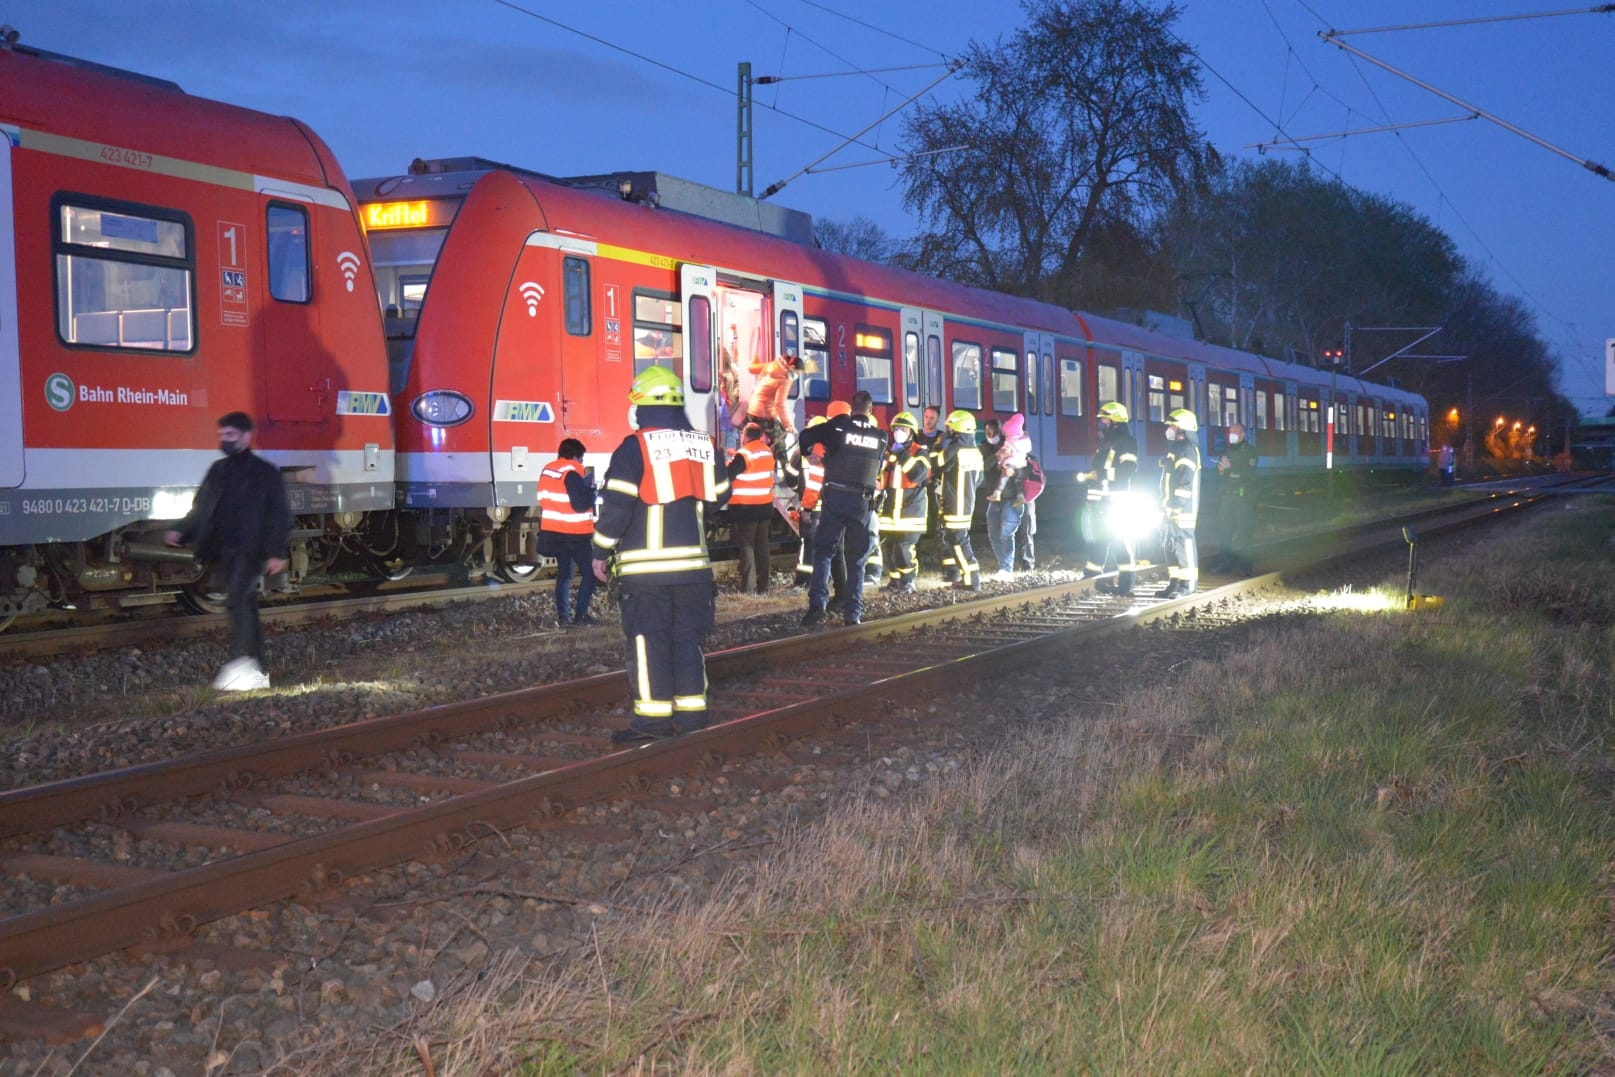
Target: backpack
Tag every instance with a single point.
(1032, 482)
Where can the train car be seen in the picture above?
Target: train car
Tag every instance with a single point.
(165, 259)
(520, 306)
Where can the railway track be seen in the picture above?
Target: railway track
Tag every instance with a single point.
(290, 818)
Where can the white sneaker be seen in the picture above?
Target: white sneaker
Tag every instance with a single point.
(232, 672)
(241, 675)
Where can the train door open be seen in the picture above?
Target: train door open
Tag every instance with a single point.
(11, 460)
(297, 368)
(788, 340)
(698, 291)
(579, 347)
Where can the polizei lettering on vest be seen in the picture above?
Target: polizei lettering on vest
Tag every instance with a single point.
(862, 441)
(667, 446)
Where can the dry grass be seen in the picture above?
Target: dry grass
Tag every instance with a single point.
(1363, 844)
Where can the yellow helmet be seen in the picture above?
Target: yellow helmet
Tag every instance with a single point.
(816, 420)
(656, 385)
(961, 421)
(904, 418)
(1115, 411)
(1184, 420)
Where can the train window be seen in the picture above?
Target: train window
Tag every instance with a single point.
(966, 375)
(1031, 383)
(124, 276)
(1070, 387)
(1109, 385)
(1261, 409)
(575, 283)
(873, 354)
(815, 359)
(1005, 366)
(287, 229)
(658, 331)
(911, 369)
(933, 368)
(1175, 398)
(1157, 398)
(1281, 407)
(1214, 405)
(1309, 417)
(700, 323)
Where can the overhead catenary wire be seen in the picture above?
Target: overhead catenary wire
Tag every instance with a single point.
(1601, 9)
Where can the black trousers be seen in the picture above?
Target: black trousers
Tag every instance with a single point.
(844, 517)
(959, 559)
(663, 625)
(751, 537)
(1025, 555)
(240, 574)
(900, 554)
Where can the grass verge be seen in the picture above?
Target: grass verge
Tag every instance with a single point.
(1364, 843)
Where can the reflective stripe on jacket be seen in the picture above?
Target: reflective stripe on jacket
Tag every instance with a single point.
(555, 504)
(755, 485)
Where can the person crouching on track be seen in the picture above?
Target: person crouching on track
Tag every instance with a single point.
(959, 477)
(652, 521)
(902, 516)
(853, 451)
(751, 506)
(1115, 461)
(241, 524)
(565, 530)
(1180, 500)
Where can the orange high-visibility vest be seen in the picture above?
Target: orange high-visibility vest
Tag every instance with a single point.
(813, 483)
(555, 505)
(678, 464)
(755, 485)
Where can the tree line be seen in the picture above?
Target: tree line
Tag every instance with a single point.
(1081, 178)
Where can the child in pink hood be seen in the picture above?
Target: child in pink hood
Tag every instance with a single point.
(1012, 453)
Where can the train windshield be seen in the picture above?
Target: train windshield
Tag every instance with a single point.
(403, 262)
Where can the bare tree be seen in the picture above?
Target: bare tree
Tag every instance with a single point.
(859, 237)
(1079, 126)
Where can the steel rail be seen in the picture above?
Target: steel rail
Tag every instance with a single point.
(172, 907)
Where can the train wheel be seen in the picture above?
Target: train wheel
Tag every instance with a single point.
(202, 597)
(513, 572)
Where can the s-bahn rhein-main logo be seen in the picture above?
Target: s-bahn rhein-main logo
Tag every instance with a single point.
(60, 391)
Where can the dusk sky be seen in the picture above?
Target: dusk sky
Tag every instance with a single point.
(387, 82)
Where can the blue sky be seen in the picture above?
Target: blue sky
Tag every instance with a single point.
(387, 82)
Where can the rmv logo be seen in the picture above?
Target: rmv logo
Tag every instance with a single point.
(60, 391)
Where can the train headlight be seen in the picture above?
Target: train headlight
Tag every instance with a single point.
(1132, 515)
(442, 407)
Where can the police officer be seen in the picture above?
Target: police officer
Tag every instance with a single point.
(1115, 461)
(652, 521)
(1180, 501)
(959, 475)
(1236, 502)
(905, 493)
(853, 451)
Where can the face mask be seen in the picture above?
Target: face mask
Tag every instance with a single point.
(231, 448)
(1234, 439)
(633, 416)
(1171, 433)
(900, 436)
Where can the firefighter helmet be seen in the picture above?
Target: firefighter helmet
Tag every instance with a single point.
(904, 419)
(961, 421)
(816, 420)
(656, 385)
(1115, 411)
(1184, 420)
(837, 407)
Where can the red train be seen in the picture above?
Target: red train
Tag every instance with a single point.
(164, 259)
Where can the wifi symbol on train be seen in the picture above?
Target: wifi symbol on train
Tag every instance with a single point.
(531, 292)
(348, 262)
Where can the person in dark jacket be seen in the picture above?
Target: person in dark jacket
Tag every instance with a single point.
(661, 480)
(1236, 503)
(241, 525)
(853, 451)
(566, 529)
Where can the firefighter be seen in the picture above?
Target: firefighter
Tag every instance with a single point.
(565, 524)
(751, 506)
(930, 437)
(959, 474)
(1180, 501)
(904, 494)
(853, 450)
(1115, 461)
(658, 486)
